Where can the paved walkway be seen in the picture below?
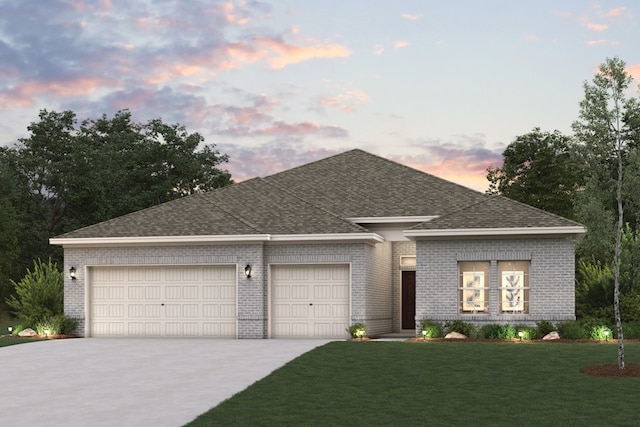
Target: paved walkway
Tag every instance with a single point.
(131, 382)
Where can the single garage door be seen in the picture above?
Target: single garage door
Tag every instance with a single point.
(310, 301)
(163, 301)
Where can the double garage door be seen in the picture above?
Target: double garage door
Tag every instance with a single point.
(307, 301)
(163, 301)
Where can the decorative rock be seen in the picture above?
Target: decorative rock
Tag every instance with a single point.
(28, 333)
(552, 336)
(455, 336)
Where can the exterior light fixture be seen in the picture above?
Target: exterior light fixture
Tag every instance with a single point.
(606, 335)
(46, 333)
(424, 334)
(520, 334)
(72, 273)
(10, 328)
(247, 271)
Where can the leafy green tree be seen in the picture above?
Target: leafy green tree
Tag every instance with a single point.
(539, 169)
(71, 175)
(39, 295)
(606, 130)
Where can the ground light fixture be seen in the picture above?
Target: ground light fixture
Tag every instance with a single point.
(424, 334)
(247, 271)
(46, 333)
(520, 334)
(10, 328)
(606, 335)
(72, 273)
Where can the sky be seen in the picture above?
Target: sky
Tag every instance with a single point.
(441, 86)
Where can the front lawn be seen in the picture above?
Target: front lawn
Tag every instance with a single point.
(440, 384)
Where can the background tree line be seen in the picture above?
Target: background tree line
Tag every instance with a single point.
(593, 177)
(66, 175)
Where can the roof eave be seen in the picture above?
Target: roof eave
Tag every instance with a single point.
(211, 239)
(497, 232)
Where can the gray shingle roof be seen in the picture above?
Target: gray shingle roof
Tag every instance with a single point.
(318, 197)
(496, 212)
(360, 184)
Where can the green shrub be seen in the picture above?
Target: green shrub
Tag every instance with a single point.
(465, 328)
(39, 293)
(357, 330)
(528, 332)
(430, 329)
(498, 331)
(600, 332)
(544, 327)
(572, 330)
(57, 325)
(630, 330)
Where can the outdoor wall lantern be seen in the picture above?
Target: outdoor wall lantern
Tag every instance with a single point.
(72, 273)
(247, 271)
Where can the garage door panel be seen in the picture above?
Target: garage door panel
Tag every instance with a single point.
(310, 301)
(163, 301)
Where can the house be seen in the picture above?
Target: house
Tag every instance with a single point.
(353, 238)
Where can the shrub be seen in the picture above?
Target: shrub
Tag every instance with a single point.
(544, 327)
(357, 330)
(498, 331)
(57, 325)
(528, 332)
(465, 328)
(430, 329)
(39, 293)
(572, 330)
(630, 330)
(600, 332)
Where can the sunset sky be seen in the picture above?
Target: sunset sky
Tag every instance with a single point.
(442, 86)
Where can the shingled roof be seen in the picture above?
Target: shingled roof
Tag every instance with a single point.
(319, 198)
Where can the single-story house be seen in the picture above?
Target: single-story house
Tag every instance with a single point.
(353, 238)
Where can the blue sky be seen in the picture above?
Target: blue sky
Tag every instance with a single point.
(439, 86)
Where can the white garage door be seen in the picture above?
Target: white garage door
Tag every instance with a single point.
(163, 301)
(310, 301)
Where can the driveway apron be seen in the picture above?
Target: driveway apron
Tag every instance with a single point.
(129, 381)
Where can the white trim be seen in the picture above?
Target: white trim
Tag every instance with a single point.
(218, 239)
(325, 237)
(391, 219)
(519, 231)
(124, 241)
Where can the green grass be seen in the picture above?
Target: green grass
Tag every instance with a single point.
(438, 384)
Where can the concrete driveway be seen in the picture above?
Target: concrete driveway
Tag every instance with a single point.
(129, 381)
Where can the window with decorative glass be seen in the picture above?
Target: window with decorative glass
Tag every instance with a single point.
(513, 279)
(474, 286)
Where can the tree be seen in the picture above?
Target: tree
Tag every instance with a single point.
(607, 131)
(539, 169)
(69, 176)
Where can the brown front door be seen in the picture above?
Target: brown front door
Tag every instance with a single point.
(408, 300)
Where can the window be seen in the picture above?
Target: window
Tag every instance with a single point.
(474, 287)
(513, 279)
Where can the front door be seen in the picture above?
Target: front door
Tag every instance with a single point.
(408, 300)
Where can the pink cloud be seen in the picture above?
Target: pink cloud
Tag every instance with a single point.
(596, 42)
(25, 94)
(347, 101)
(634, 70)
(401, 44)
(378, 49)
(615, 13)
(597, 27)
(290, 54)
(411, 17)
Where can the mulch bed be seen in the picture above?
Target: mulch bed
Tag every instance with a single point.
(631, 370)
